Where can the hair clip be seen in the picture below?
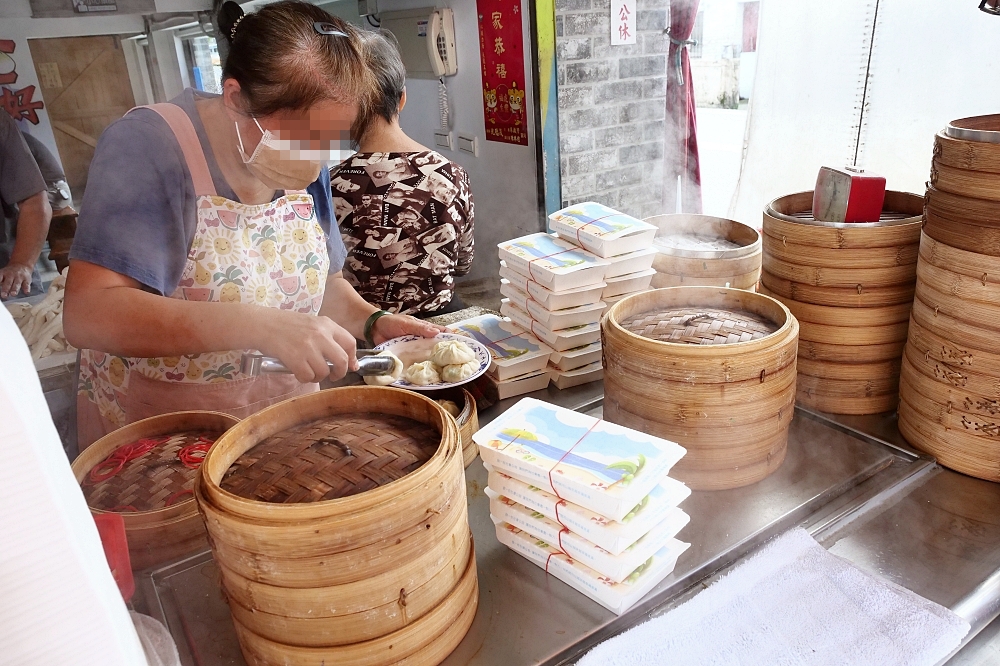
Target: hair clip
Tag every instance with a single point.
(325, 28)
(232, 31)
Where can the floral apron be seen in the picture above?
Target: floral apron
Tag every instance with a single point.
(272, 255)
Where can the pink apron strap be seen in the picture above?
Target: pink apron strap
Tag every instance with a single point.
(182, 127)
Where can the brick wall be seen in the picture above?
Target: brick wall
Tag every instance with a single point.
(611, 106)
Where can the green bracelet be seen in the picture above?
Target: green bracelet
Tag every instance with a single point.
(370, 324)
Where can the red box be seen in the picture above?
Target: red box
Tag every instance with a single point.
(848, 195)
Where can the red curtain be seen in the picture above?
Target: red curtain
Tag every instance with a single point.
(681, 142)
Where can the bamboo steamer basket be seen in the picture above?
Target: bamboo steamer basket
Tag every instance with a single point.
(966, 183)
(985, 269)
(851, 287)
(694, 390)
(747, 281)
(375, 577)
(165, 534)
(931, 346)
(737, 267)
(467, 420)
(955, 449)
(949, 394)
(426, 642)
(980, 212)
(969, 155)
(962, 235)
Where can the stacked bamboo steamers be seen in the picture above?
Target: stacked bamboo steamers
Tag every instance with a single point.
(950, 382)
(339, 524)
(851, 287)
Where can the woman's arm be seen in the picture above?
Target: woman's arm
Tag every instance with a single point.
(466, 245)
(346, 307)
(110, 312)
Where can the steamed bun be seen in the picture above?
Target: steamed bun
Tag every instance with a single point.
(452, 352)
(450, 407)
(458, 372)
(422, 374)
(393, 376)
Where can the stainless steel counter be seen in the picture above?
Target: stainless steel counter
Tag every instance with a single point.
(852, 483)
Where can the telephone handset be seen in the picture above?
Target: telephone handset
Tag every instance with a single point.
(441, 42)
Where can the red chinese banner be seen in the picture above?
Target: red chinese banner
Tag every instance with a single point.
(501, 47)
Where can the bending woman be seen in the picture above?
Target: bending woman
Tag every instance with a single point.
(405, 211)
(206, 227)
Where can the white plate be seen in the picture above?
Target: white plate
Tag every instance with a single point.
(413, 349)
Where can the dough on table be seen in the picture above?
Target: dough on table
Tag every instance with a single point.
(393, 376)
(452, 352)
(422, 374)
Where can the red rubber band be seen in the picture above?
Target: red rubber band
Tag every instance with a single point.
(173, 498)
(596, 219)
(570, 450)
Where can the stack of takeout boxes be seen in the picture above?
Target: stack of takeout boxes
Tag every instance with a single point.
(622, 240)
(520, 360)
(588, 501)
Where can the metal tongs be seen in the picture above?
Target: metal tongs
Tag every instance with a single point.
(368, 364)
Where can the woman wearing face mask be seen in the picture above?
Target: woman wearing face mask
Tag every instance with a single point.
(206, 228)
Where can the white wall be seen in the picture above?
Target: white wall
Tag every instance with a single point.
(504, 178)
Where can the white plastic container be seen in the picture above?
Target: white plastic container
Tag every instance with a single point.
(616, 567)
(556, 264)
(601, 230)
(616, 597)
(571, 359)
(569, 338)
(602, 466)
(610, 535)
(577, 377)
(633, 262)
(552, 300)
(515, 351)
(629, 283)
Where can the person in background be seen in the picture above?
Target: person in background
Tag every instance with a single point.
(206, 230)
(405, 211)
(26, 213)
(60, 196)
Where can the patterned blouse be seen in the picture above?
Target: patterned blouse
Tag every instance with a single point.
(407, 222)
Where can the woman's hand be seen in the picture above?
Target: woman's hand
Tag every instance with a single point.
(312, 347)
(394, 326)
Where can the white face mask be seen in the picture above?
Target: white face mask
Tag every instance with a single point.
(277, 164)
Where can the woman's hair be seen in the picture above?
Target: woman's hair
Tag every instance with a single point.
(284, 57)
(382, 59)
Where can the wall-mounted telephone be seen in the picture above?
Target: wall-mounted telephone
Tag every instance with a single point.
(441, 42)
(426, 38)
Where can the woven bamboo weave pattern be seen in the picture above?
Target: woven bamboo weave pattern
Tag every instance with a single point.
(700, 326)
(330, 458)
(147, 482)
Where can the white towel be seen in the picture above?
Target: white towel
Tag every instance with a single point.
(791, 603)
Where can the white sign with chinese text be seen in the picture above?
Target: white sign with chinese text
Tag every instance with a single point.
(622, 22)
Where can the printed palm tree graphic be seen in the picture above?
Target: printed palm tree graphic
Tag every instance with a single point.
(605, 225)
(265, 234)
(225, 371)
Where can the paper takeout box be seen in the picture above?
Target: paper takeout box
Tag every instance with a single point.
(616, 567)
(610, 535)
(633, 262)
(629, 283)
(554, 320)
(571, 359)
(564, 379)
(515, 386)
(515, 351)
(602, 466)
(616, 597)
(552, 300)
(601, 230)
(556, 264)
(568, 338)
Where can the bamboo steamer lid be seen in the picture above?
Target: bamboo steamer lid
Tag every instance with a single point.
(165, 524)
(678, 361)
